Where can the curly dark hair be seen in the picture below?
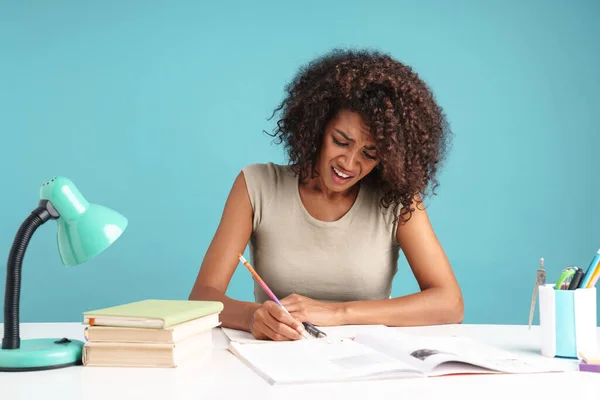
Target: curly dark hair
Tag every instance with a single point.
(409, 127)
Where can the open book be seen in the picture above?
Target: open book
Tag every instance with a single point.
(378, 355)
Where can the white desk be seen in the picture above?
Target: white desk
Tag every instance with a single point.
(222, 376)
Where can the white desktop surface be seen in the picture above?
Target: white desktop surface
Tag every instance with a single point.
(220, 375)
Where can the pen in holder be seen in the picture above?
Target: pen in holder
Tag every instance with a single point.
(567, 321)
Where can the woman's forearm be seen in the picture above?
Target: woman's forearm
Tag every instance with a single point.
(432, 306)
(236, 314)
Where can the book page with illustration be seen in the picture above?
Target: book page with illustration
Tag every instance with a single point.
(433, 355)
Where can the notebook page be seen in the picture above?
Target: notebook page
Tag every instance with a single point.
(345, 331)
(316, 360)
(239, 336)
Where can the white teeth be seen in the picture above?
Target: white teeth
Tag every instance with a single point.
(338, 173)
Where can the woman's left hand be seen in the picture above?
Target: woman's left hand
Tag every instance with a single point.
(316, 312)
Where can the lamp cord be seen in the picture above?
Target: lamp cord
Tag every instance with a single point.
(12, 339)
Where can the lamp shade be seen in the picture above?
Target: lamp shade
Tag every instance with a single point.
(84, 229)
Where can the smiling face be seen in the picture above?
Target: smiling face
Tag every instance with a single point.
(347, 153)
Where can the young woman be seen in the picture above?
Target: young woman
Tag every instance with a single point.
(365, 138)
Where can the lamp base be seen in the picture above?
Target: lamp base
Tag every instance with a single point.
(41, 354)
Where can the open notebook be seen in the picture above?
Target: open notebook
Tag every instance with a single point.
(342, 331)
(378, 355)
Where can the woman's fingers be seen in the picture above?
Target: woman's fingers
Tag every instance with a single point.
(297, 309)
(282, 323)
(271, 321)
(299, 315)
(291, 300)
(273, 334)
(292, 307)
(282, 316)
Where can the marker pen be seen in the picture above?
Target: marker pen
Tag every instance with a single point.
(576, 280)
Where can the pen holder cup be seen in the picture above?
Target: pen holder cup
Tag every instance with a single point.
(567, 321)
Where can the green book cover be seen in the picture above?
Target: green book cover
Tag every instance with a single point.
(171, 312)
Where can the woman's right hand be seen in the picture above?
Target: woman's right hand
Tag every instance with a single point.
(269, 321)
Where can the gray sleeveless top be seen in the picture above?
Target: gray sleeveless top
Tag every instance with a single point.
(353, 258)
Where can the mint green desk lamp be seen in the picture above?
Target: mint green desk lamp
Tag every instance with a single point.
(84, 230)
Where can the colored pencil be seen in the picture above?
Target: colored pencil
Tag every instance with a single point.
(266, 288)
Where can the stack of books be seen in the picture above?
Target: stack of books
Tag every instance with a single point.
(149, 333)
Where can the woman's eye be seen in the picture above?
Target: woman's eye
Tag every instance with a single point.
(339, 143)
(370, 157)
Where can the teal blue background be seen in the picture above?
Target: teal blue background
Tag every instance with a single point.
(152, 108)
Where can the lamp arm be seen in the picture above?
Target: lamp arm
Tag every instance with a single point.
(44, 212)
